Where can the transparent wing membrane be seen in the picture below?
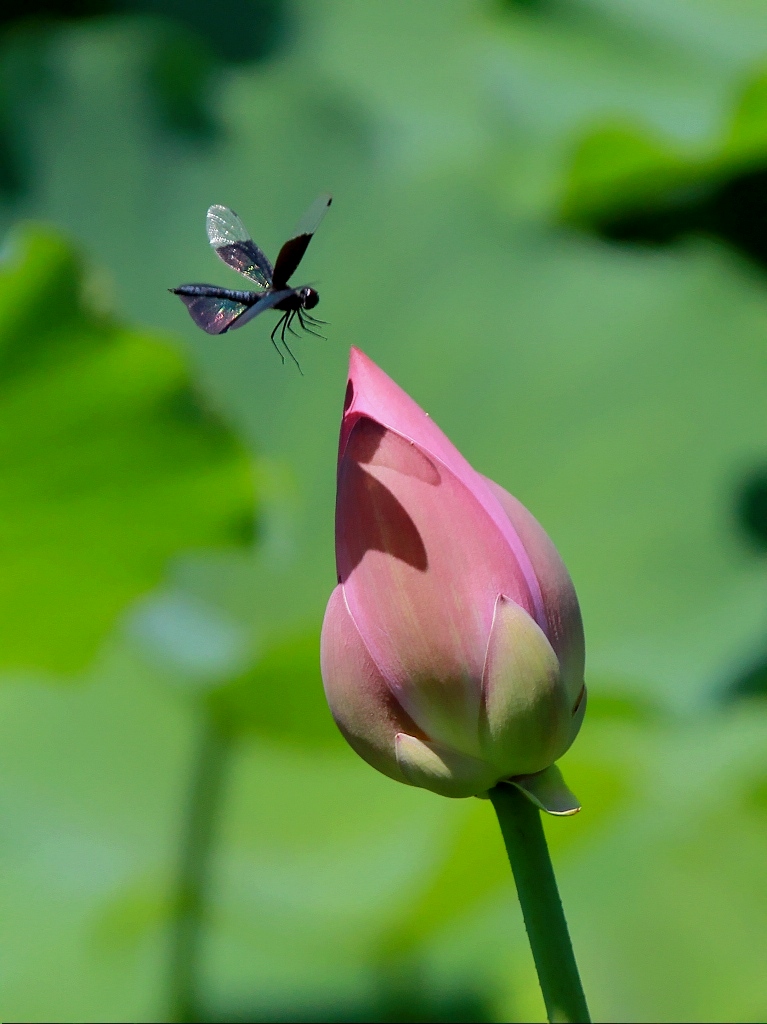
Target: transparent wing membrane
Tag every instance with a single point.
(311, 219)
(293, 250)
(233, 244)
(214, 315)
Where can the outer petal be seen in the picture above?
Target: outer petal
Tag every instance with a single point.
(364, 708)
(577, 715)
(527, 714)
(370, 392)
(564, 626)
(421, 563)
(549, 791)
(441, 769)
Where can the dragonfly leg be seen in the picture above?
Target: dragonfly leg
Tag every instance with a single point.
(290, 323)
(288, 350)
(315, 320)
(301, 320)
(274, 342)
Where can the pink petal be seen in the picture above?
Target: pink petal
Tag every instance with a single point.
(563, 622)
(363, 706)
(370, 392)
(421, 562)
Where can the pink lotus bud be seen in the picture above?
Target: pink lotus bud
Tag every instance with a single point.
(452, 648)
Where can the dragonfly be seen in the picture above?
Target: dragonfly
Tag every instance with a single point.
(217, 310)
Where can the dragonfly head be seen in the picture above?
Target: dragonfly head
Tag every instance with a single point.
(309, 298)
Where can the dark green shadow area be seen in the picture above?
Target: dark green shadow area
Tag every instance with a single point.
(750, 513)
(629, 185)
(188, 44)
(415, 1006)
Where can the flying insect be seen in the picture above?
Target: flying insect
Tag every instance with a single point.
(217, 310)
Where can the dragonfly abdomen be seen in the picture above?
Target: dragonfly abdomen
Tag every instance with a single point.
(211, 291)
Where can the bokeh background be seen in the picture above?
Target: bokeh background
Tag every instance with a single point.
(550, 226)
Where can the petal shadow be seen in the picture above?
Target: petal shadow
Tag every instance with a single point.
(370, 518)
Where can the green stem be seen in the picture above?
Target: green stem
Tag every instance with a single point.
(545, 922)
(198, 836)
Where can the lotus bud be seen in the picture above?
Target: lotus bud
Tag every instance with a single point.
(452, 648)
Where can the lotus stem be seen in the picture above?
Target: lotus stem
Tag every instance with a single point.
(198, 835)
(545, 922)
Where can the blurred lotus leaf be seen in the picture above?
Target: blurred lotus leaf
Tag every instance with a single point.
(628, 184)
(474, 865)
(135, 911)
(236, 30)
(179, 70)
(110, 462)
(751, 514)
(626, 703)
(750, 683)
(190, 42)
(281, 696)
(751, 508)
(12, 159)
(187, 43)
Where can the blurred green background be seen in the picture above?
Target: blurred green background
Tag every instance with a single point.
(550, 227)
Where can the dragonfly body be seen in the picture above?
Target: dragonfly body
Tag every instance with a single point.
(218, 310)
(299, 298)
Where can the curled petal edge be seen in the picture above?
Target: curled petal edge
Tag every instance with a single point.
(548, 791)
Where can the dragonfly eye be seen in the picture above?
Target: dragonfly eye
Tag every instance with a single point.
(309, 298)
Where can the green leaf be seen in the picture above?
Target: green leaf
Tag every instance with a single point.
(474, 865)
(620, 166)
(747, 138)
(615, 701)
(109, 462)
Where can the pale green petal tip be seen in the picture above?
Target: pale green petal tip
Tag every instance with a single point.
(549, 791)
(441, 769)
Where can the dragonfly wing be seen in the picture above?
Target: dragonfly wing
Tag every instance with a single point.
(313, 216)
(268, 302)
(233, 244)
(293, 250)
(214, 315)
